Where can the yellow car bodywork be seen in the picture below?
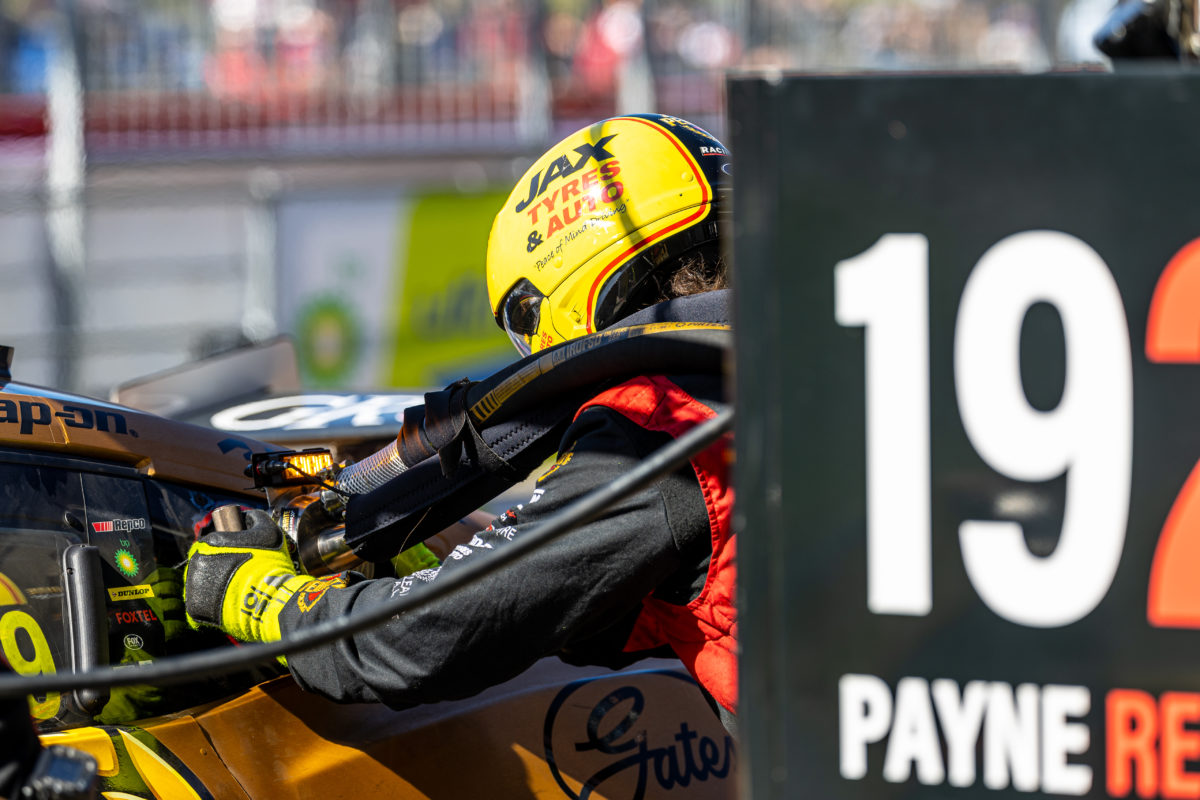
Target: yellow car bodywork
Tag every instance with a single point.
(556, 731)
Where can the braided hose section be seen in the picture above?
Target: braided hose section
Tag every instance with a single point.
(372, 472)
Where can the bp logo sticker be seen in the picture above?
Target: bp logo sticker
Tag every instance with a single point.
(329, 339)
(126, 563)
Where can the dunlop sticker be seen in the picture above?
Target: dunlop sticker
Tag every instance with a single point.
(119, 593)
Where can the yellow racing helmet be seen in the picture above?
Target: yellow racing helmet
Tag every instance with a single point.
(603, 210)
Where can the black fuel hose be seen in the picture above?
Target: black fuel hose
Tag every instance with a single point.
(452, 423)
(178, 669)
(472, 441)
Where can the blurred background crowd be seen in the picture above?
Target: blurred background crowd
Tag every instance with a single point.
(179, 174)
(188, 64)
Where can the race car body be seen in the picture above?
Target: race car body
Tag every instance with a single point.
(95, 487)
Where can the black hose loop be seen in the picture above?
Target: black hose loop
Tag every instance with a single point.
(464, 408)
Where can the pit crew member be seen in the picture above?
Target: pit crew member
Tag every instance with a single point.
(620, 222)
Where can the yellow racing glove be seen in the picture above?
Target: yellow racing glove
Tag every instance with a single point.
(239, 581)
(166, 601)
(414, 559)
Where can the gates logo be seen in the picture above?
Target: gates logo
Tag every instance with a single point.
(606, 733)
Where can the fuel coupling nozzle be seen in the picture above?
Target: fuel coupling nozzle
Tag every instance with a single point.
(317, 534)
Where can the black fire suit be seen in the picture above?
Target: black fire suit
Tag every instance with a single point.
(578, 597)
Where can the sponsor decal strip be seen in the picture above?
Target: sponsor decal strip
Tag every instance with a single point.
(29, 414)
(119, 593)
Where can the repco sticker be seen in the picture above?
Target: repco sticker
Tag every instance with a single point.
(31, 414)
(136, 524)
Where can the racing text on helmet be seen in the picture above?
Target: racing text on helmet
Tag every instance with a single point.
(561, 167)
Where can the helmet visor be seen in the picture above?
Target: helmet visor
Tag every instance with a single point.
(520, 315)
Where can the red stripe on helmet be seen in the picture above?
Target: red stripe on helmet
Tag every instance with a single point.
(701, 210)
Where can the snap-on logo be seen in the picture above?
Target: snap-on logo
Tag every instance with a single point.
(29, 414)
